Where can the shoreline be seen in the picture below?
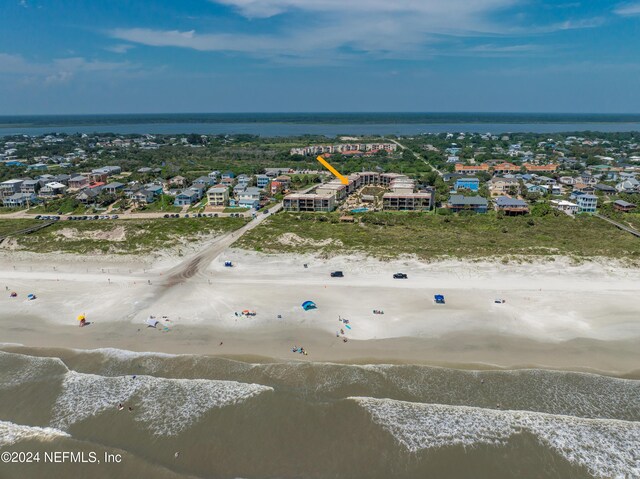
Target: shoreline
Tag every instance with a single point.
(556, 316)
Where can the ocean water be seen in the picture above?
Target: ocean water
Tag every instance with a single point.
(324, 124)
(231, 418)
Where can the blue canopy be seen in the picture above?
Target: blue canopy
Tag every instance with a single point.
(307, 305)
(439, 298)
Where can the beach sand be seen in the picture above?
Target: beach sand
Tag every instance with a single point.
(556, 315)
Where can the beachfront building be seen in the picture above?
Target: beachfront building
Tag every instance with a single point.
(10, 187)
(250, 198)
(30, 186)
(52, 189)
(187, 197)
(565, 206)
(79, 181)
(19, 200)
(218, 195)
(511, 206)
(458, 203)
(587, 203)
(623, 206)
(309, 202)
(113, 188)
(393, 201)
(472, 184)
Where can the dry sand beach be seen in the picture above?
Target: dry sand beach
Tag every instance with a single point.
(556, 315)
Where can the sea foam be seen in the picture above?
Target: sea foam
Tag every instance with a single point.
(605, 447)
(163, 406)
(11, 433)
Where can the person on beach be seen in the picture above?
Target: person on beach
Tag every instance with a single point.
(120, 406)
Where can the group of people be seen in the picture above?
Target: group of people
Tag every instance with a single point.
(300, 350)
(121, 407)
(378, 311)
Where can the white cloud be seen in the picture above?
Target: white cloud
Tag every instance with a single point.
(59, 70)
(628, 9)
(316, 31)
(119, 48)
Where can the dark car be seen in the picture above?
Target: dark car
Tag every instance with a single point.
(167, 215)
(37, 217)
(337, 274)
(400, 276)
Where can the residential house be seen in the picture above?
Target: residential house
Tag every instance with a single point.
(243, 180)
(30, 186)
(10, 187)
(228, 175)
(19, 200)
(511, 206)
(587, 203)
(143, 196)
(565, 206)
(262, 181)
(187, 197)
(629, 185)
(499, 186)
(205, 181)
(107, 170)
(567, 180)
(77, 182)
(218, 195)
(458, 203)
(472, 184)
(250, 198)
(623, 206)
(52, 190)
(113, 188)
(88, 195)
(605, 189)
(154, 188)
(214, 175)
(178, 181)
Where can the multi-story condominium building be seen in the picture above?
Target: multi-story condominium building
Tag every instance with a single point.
(422, 201)
(10, 187)
(309, 202)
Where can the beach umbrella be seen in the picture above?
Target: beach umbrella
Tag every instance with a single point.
(31, 296)
(81, 317)
(307, 305)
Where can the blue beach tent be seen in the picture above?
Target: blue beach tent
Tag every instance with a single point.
(439, 299)
(307, 305)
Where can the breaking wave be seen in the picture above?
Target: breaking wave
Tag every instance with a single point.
(11, 433)
(163, 406)
(606, 448)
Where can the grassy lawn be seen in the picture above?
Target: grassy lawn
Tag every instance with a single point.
(123, 236)
(164, 203)
(388, 235)
(235, 210)
(62, 205)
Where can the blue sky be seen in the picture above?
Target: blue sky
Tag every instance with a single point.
(129, 56)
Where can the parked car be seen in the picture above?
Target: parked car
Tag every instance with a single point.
(400, 276)
(115, 217)
(166, 216)
(337, 274)
(38, 217)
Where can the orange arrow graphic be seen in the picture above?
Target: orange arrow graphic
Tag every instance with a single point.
(343, 179)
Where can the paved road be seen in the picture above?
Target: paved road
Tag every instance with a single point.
(418, 156)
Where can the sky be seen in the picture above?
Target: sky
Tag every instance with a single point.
(162, 56)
